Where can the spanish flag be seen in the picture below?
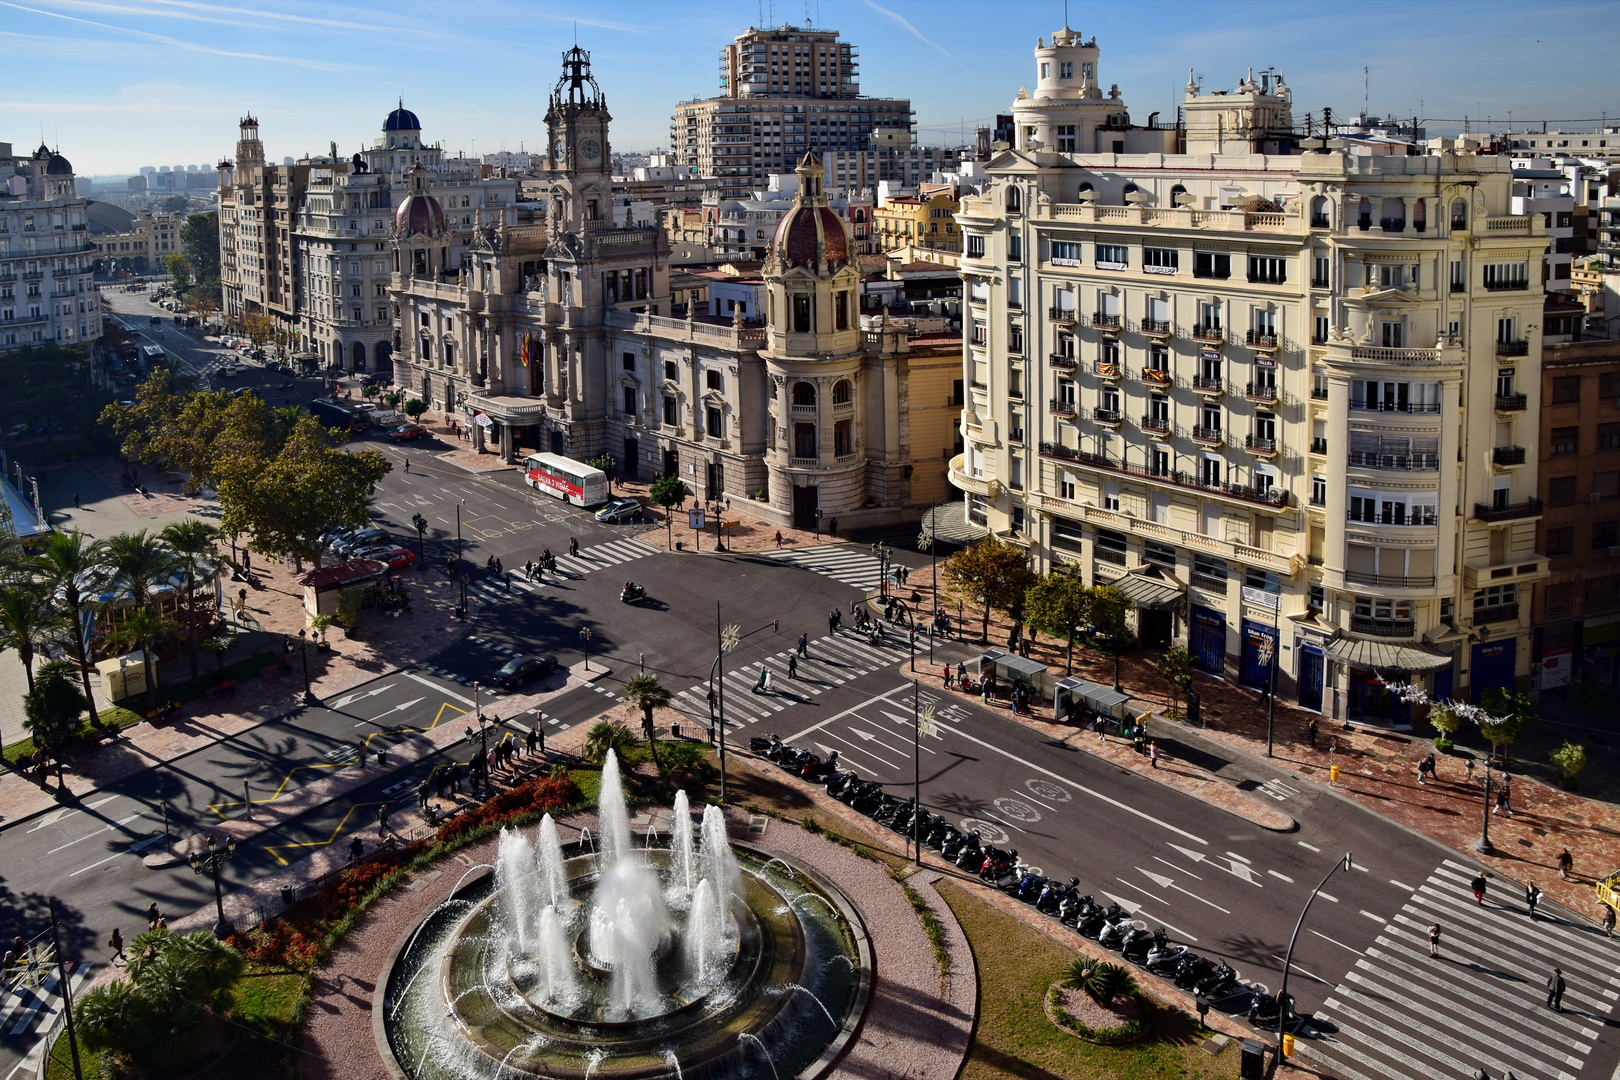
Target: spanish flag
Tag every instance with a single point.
(525, 354)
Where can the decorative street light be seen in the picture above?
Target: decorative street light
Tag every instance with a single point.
(922, 719)
(303, 657)
(1483, 845)
(727, 638)
(1283, 1010)
(209, 865)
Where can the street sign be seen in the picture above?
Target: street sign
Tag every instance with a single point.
(695, 519)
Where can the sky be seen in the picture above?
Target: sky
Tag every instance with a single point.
(117, 85)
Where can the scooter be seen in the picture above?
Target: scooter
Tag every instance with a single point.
(1164, 959)
(1094, 922)
(1134, 942)
(971, 855)
(1263, 1008)
(763, 746)
(1112, 934)
(818, 771)
(1216, 981)
(631, 593)
(941, 834)
(1030, 886)
(1052, 895)
(997, 863)
(1190, 970)
(957, 844)
(1074, 906)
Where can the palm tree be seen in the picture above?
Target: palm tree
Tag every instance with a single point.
(25, 618)
(68, 561)
(649, 694)
(140, 629)
(138, 562)
(192, 542)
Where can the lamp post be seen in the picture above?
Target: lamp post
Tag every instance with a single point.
(421, 527)
(208, 865)
(727, 638)
(482, 736)
(1282, 994)
(585, 636)
(920, 716)
(303, 658)
(1483, 845)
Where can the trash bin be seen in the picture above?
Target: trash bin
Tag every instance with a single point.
(1252, 1066)
(286, 896)
(674, 731)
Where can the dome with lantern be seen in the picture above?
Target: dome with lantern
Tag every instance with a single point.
(420, 212)
(811, 234)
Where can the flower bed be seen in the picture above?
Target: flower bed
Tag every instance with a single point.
(1106, 1025)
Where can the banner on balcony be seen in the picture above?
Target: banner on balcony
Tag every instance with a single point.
(524, 355)
(1209, 354)
(1262, 360)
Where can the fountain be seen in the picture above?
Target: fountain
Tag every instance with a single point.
(611, 959)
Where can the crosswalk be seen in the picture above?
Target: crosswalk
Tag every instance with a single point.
(28, 1011)
(832, 661)
(493, 590)
(841, 562)
(1400, 1014)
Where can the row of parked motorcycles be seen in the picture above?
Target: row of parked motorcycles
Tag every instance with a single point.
(1108, 925)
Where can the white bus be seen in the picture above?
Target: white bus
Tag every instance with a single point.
(567, 479)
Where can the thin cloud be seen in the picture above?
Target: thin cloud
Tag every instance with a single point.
(901, 19)
(178, 43)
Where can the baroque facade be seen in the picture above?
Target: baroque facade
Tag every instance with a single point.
(559, 335)
(47, 259)
(1273, 392)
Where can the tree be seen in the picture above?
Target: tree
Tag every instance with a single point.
(156, 407)
(139, 561)
(175, 204)
(199, 240)
(67, 563)
(1101, 981)
(1175, 668)
(1444, 719)
(219, 646)
(668, 492)
(176, 985)
(994, 573)
(605, 736)
(54, 703)
(646, 692)
(192, 542)
(1110, 613)
(415, 407)
(1059, 603)
(260, 328)
(1508, 712)
(140, 629)
(179, 271)
(26, 617)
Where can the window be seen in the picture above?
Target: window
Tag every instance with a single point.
(1605, 534)
(801, 315)
(1564, 440)
(1318, 491)
(1500, 276)
(671, 415)
(1212, 264)
(1066, 142)
(1111, 547)
(1065, 70)
(630, 400)
(1561, 542)
(1494, 596)
(1319, 332)
(1113, 257)
(981, 332)
(1316, 598)
(1608, 436)
(1265, 581)
(1015, 246)
(1566, 389)
(1267, 268)
(628, 361)
(1609, 385)
(669, 370)
(1561, 491)
(1065, 488)
(844, 438)
(713, 380)
(1015, 200)
(1209, 571)
(1046, 70)
(1066, 253)
(1160, 260)
(1162, 554)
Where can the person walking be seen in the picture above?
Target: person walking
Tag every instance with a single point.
(778, 537)
(1503, 805)
(793, 666)
(1566, 863)
(1153, 753)
(75, 500)
(356, 849)
(1310, 732)
(832, 622)
(1531, 895)
(573, 546)
(382, 820)
(948, 676)
(152, 916)
(1434, 941)
(1555, 990)
(407, 466)
(1425, 767)
(424, 791)
(804, 646)
(1478, 886)
(1608, 920)
(116, 944)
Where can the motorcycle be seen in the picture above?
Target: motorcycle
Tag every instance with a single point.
(1216, 981)
(1074, 906)
(940, 834)
(971, 855)
(632, 592)
(817, 771)
(763, 745)
(1029, 886)
(1191, 970)
(1094, 922)
(996, 863)
(1264, 1008)
(1134, 942)
(1164, 959)
(958, 844)
(1051, 895)
(1113, 932)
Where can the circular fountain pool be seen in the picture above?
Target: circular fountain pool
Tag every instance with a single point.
(624, 956)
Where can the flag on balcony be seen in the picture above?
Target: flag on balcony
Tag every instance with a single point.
(525, 354)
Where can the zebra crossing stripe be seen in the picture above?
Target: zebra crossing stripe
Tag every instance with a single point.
(1482, 922)
(853, 568)
(1416, 1047)
(1582, 939)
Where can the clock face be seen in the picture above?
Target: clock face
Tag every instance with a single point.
(590, 149)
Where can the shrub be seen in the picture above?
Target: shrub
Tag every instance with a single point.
(605, 736)
(1571, 757)
(689, 758)
(1101, 981)
(415, 407)
(175, 984)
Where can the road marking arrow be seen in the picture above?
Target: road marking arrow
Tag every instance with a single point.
(1162, 881)
(1230, 864)
(862, 734)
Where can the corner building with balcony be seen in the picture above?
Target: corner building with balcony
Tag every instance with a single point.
(1275, 392)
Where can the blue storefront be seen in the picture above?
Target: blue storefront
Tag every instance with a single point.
(1259, 654)
(1492, 667)
(1206, 640)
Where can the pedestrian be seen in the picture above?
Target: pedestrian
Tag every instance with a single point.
(407, 466)
(832, 527)
(1478, 885)
(356, 849)
(1153, 753)
(382, 820)
(948, 675)
(804, 646)
(1424, 767)
(1503, 805)
(116, 944)
(778, 537)
(1531, 895)
(1434, 941)
(793, 666)
(1310, 732)
(424, 791)
(1566, 863)
(539, 736)
(499, 569)
(152, 916)
(573, 546)
(75, 500)
(832, 622)
(489, 563)
(508, 581)
(1555, 990)
(1608, 920)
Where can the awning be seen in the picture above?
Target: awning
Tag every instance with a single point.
(1385, 655)
(1149, 589)
(948, 523)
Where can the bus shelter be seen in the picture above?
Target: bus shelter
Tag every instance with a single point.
(1074, 697)
(1010, 668)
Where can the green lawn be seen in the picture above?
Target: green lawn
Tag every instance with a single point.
(117, 714)
(1013, 1037)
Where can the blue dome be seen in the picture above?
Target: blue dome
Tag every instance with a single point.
(402, 119)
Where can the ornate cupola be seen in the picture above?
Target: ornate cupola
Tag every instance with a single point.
(418, 226)
(813, 286)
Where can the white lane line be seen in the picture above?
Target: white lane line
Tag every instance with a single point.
(98, 832)
(1340, 944)
(1401, 885)
(1375, 918)
(1302, 971)
(1283, 877)
(1136, 910)
(447, 693)
(1327, 896)
(1308, 847)
(1004, 821)
(1033, 799)
(1235, 855)
(857, 746)
(97, 863)
(1178, 869)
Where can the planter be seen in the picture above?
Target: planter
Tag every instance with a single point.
(1443, 745)
(1124, 1022)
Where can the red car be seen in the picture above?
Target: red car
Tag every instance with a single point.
(408, 431)
(398, 558)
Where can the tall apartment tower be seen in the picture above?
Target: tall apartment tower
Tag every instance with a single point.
(783, 92)
(1277, 397)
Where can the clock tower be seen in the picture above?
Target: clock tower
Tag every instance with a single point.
(577, 154)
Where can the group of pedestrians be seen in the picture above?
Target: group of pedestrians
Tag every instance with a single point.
(1532, 897)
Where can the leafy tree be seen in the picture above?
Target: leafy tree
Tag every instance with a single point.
(994, 573)
(415, 407)
(141, 628)
(175, 204)
(176, 985)
(27, 616)
(1101, 981)
(66, 562)
(179, 271)
(260, 328)
(604, 736)
(139, 561)
(1571, 758)
(1175, 668)
(668, 492)
(192, 542)
(156, 408)
(1110, 613)
(648, 694)
(54, 703)
(1508, 713)
(606, 463)
(1059, 603)
(199, 240)
(392, 399)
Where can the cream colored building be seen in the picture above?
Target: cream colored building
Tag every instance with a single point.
(153, 238)
(47, 293)
(1279, 397)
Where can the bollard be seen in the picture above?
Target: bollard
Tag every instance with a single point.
(1333, 774)
(1287, 1045)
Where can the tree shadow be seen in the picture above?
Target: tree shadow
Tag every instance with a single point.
(28, 914)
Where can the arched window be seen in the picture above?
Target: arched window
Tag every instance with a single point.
(759, 234)
(1015, 200)
(841, 392)
(804, 395)
(1319, 212)
(1176, 193)
(860, 216)
(1459, 214)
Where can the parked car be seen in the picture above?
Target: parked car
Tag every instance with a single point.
(408, 431)
(228, 371)
(397, 558)
(619, 510)
(524, 669)
(364, 538)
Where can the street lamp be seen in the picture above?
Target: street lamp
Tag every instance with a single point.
(1282, 994)
(585, 636)
(483, 737)
(727, 638)
(303, 657)
(209, 866)
(1483, 845)
(421, 527)
(921, 716)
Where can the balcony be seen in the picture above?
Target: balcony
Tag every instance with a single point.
(1061, 315)
(803, 462)
(1395, 462)
(1388, 581)
(1210, 332)
(1512, 348)
(1514, 285)
(1507, 455)
(1318, 445)
(1259, 339)
(1510, 403)
(804, 410)
(1320, 221)
(1159, 328)
(1529, 508)
(1260, 447)
(1374, 405)
(1265, 392)
(1207, 384)
(1156, 425)
(1105, 369)
(1367, 624)
(1319, 282)
(1210, 436)
(1496, 613)
(1106, 417)
(1059, 407)
(1103, 321)
(1375, 354)
(1059, 360)
(1157, 377)
(1392, 224)
(1272, 497)
(1319, 393)
(1459, 286)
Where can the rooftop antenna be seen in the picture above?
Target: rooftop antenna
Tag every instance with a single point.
(1366, 89)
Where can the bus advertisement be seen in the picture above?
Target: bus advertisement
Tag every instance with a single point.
(152, 356)
(567, 479)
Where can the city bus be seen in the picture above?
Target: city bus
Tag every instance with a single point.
(152, 356)
(341, 417)
(566, 478)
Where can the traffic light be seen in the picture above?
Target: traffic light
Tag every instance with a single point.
(776, 626)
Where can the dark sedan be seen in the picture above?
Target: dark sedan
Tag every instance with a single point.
(524, 669)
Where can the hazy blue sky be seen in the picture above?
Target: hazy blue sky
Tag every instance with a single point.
(120, 85)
